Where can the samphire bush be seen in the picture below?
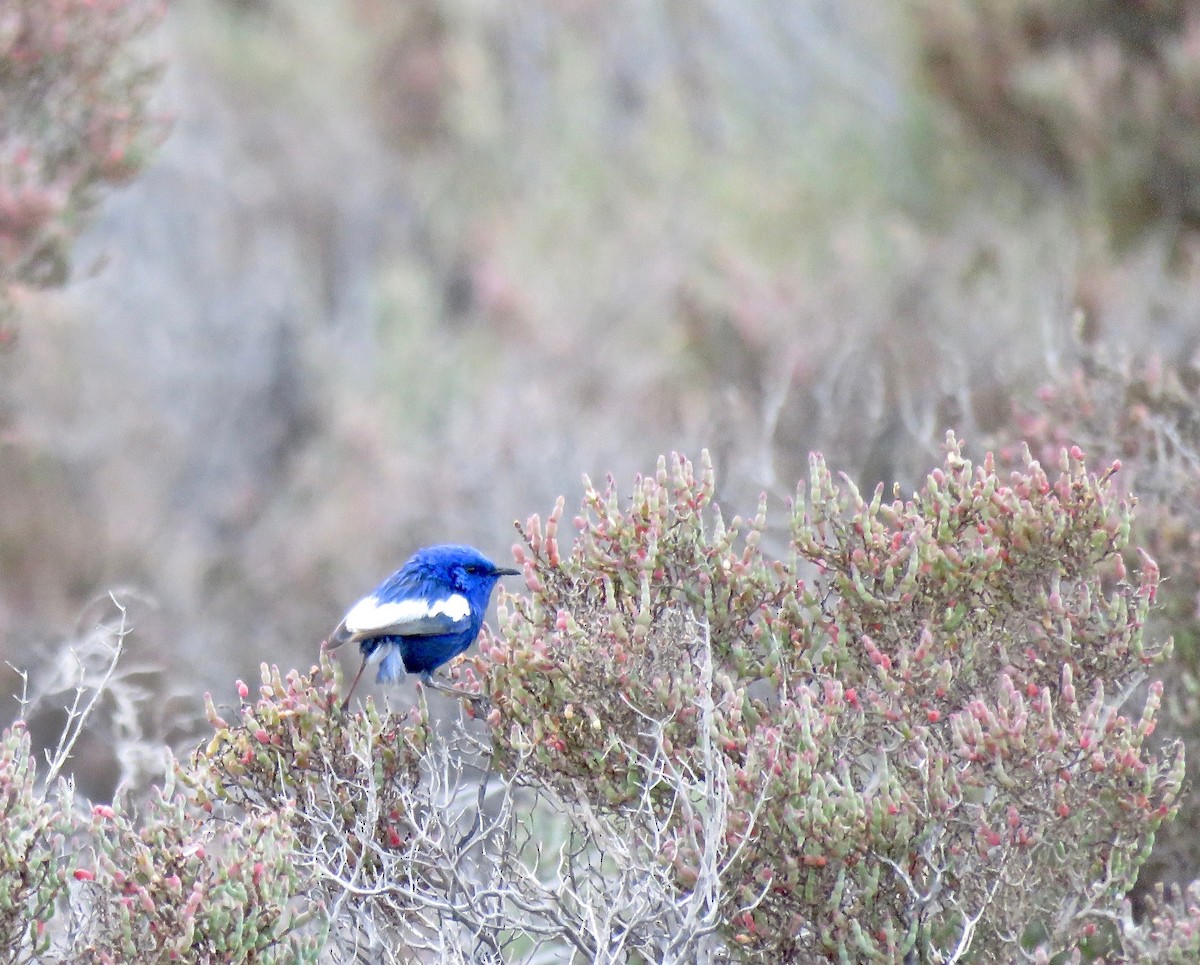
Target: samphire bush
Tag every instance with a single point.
(925, 735)
(917, 727)
(150, 878)
(1146, 412)
(75, 84)
(1103, 94)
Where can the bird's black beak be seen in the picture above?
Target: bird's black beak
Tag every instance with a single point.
(507, 571)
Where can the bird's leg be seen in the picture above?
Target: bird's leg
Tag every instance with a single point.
(354, 683)
(429, 679)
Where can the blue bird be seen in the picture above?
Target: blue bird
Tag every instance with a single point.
(423, 615)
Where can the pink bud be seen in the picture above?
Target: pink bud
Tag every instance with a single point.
(82, 874)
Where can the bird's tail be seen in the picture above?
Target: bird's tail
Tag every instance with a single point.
(339, 636)
(391, 667)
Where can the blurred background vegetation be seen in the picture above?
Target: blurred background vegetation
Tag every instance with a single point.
(400, 272)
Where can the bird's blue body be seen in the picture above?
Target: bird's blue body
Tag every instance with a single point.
(423, 615)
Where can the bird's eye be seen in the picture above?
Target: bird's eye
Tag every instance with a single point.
(471, 568)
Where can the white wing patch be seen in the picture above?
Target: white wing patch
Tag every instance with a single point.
(369, 614)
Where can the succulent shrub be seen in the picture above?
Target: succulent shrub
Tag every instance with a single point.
(75, 83)
(343, 781)
(912, 736)
(1145, 412)
(34, 864)
(1169, 929)
(163, 882)
(172, 884)
(1103, 94)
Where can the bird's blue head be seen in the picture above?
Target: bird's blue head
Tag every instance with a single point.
(460, 569)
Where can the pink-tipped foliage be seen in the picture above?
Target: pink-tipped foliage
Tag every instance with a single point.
(74, 92)
(920, 716)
